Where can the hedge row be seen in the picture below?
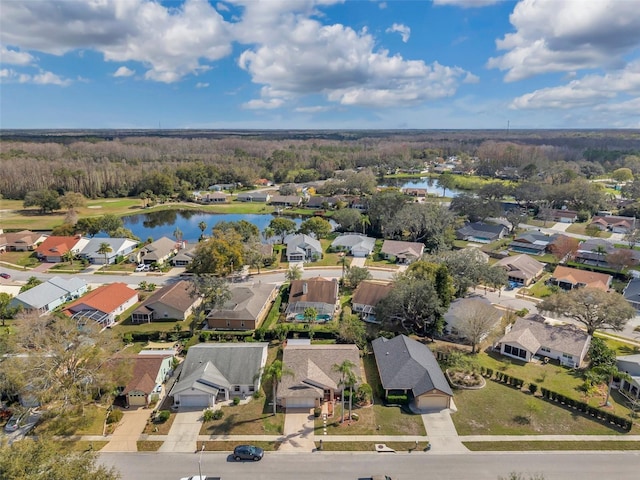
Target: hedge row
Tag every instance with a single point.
(401, 399)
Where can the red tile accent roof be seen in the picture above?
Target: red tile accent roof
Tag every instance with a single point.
(105, 298)
(56, 246)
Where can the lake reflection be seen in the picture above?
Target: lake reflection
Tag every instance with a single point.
(428, 183)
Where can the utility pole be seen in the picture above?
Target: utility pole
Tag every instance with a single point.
(200, 463)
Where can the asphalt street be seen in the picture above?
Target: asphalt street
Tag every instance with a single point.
(403, 466)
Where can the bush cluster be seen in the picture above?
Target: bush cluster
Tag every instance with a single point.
(401, 399)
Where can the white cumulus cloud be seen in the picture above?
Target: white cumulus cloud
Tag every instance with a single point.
(124, 72)
(15, 57)
(466, 3)
(202, 85)
(403, 30)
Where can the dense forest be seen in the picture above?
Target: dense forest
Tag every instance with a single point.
(115, 163)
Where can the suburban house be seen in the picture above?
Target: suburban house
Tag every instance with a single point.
(415, 192)
(314, 379)
(51, 294)
(321, 202)
(406, 366)
(467, 309)
(302, 248)
(481, 232)
(402, 252)
(354, 244)
(286, 200)
(218, 187)
(521, 269)
(214, 372)
(54, 248)
(104, 304)
(318, 293)
(531, 242)
(261, 197)
(23, 241)
(569, 278)
(630, 364)
(558, 215)
(184, 257)
(3, 242)
(631, 293)
(530, 337)
(173, 301)
(149, 374)
(366, 297)
(119, 247)
(614, 223)
(596, 251)
(246, 309)
(208, 197)
(157, 252)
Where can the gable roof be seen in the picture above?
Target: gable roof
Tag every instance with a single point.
(523, 264)
(370, 292)
(614, 221)
(313, 368)
(455, 315)
(176, 295)
(106, 298)
(317, 290)
(401, 249)
(404, 363)
(296, 243)
(631, 292)
(51, 290)
(159, 249)
(354, 241)
(24, 237)
(482, 230)
(318, 201)
(245, 303)
(56, 246)
(533, 334)
(534, 238)
(145, 372)
(116, 244)
(221, 364)
(292, 199)
(575, 276)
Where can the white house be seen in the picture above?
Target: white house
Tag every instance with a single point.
(119, 247)
(47, 296)
(354, 244)
(302, 248)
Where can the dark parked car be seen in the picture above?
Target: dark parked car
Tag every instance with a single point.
(5, 275)
(247, 452)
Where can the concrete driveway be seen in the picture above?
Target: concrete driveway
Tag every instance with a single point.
(183, 436)
(358, 262)
(442, 433)
(298, 431)
(128, 431)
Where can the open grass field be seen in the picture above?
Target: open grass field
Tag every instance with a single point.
(502, 410)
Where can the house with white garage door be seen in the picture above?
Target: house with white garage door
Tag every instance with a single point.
(406, 366)
(214, 372)
(314, 379)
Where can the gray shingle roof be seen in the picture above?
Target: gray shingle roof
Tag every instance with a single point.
(49, 291)
(350, 241)
(159, 249)
(404, 363)
(245, 303)
(298, 241)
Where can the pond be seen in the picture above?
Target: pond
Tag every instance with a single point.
(163, 223)
(428, 183)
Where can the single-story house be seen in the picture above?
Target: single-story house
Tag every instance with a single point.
(158, 251)
(208, 197)
(406, 366)
(246, 309)
(481, 232)
(614, 223)
(631, 365)
(558, 215)
(315, 379)
(631, 293)
(468, 309)
(184, 257)
(321, 202)
(261, 197)
(214, 372)
(104, 304)
(3, 242)
(367, 296)
(286, 200)
(569, 278)
(531, 242)
(354, 244)
(302, 248)
(416, 192)
(218, 187)
(23, 241)
(172, 301)
(119, 247)
(149, 373)
(47, 296)
(521, 269)
(402, 252)
(596, 251)
(319, 293)
(529, 337)
(54, 248)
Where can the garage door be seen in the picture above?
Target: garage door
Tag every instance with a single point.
(301, 402)
(137, 399)
(433, 402)
(194, 400)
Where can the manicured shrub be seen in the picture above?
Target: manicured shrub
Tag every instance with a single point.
(114, 416)
(317, 412)
(236, 400)
(489, 372)
(533, 388)
(162, 416)
(208, 415)
(398, 399)
(218, 414)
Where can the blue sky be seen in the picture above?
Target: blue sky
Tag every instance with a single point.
(325, 64)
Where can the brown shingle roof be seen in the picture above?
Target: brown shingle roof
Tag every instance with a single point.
(176, 296)
(532, 335)
(106, 298)
(601, 281)
(145, 372)
(524, 264)
(399, 248)
(371, 292)
(319, 290)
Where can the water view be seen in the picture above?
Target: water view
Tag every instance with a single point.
(428, 183)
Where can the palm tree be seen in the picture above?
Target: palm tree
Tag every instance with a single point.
(346, 369)
(608, 372)
(202, 226)
(177, 233)
(275, 372)
(365, 222)
(268, 233)
(294, 273)
(68, 257)
(350, 381)
(600, 250)
(105, 248)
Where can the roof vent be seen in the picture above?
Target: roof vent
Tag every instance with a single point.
(305, 288)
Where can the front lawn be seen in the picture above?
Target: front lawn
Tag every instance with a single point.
(24, 259)
(89, 421)
(159, 428)
(551, 445)
(223, 446)
(253, 418)
(157, 326)
(373, 420)
(498, 409)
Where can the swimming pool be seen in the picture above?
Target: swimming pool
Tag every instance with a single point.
(319, 318)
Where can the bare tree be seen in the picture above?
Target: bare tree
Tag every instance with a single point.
(476, 321)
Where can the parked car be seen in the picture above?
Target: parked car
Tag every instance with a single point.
(247, 452)
(5, 275)
(16, 421)
(140, 267)
(198, 477)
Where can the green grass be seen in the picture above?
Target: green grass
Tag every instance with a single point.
(551, 445)
(148, 445)
(501, 410)
(24, 259)
(158, 326)
(391, 420)
(89, 422)
(540, 289)
(254, 418)
(66, 267)
(274, 313)
(224, 446)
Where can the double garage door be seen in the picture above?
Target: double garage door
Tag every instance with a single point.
(433, 402)
(195, 401)
(304, 402)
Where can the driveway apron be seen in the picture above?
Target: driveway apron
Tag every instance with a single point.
(183, 435)
(442, 433)
(298, 431)
(128, 431)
